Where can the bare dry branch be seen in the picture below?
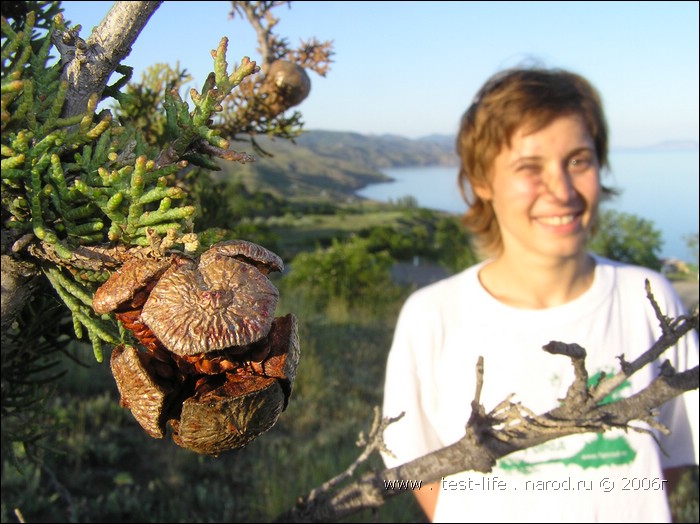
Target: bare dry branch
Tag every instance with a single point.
(88, 64)
(511, 427)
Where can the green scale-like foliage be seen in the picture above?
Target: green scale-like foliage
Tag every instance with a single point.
(89, 181)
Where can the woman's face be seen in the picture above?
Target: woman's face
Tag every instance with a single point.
(545, 189)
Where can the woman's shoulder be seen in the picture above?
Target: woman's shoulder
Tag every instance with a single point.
(629, 273)
(631, 280)
(444, 292)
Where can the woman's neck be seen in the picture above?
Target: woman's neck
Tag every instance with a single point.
(537, 283)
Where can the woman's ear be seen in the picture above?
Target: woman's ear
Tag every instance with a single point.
(483, 191)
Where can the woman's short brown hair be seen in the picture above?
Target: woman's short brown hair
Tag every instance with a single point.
(507, 101)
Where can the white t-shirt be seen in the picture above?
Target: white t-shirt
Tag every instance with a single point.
(431, 375)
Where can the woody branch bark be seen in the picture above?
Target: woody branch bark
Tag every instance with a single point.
(510, 427)
(254, 14)
(88, 64)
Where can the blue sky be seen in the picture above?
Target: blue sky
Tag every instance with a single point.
(411, 68)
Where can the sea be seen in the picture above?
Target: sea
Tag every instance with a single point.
(658, 186)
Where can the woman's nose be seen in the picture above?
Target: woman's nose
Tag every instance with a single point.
(559, 184)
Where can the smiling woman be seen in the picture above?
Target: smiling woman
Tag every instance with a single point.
(545, 191)
(532, 145)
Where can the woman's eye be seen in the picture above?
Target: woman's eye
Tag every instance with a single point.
(529, 168)
(579, 163)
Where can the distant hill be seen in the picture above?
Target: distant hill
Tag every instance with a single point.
(332, 163)
(381, 151)
(445, 140)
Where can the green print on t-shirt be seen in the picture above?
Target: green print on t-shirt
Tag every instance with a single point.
(600, 451)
